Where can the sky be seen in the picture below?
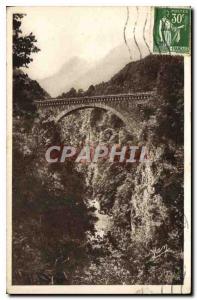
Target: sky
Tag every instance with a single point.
(65, 32)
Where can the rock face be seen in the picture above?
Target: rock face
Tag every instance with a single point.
(142, 243)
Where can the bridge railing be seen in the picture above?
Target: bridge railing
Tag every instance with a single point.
(94, 99)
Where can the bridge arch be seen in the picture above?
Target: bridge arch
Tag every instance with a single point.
(105, 107)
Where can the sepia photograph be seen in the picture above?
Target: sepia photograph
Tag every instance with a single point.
(98, 109)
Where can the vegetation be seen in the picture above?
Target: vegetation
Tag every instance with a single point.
(23, 46)
(25, 90)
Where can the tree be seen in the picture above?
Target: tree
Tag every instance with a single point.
(23, 46)
(90, 91)
(71, 93)
(80, 92)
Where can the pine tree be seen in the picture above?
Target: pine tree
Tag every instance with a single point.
(23, 45)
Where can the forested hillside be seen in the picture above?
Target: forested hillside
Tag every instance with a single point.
(25, 91)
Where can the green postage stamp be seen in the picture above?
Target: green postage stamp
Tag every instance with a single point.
(172, 30)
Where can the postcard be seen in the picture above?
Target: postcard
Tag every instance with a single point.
(98, 150)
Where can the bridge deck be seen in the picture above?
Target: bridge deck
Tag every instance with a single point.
(95, 99)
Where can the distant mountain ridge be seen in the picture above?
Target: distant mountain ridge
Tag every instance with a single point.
(80, 74)
(138, 76)
(63, 79)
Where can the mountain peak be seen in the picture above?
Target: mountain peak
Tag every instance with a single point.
(80, 74)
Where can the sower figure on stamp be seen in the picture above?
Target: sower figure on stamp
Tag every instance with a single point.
(165, 31)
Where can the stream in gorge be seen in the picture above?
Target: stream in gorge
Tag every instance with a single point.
(103, 222)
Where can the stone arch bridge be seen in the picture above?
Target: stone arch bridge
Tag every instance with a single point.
(128, 107)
